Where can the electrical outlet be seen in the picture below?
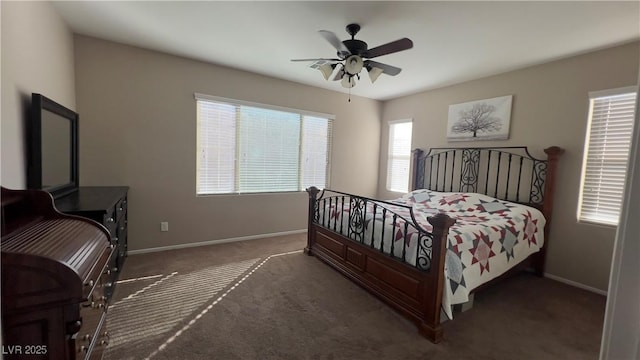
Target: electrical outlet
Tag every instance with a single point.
(164, 226)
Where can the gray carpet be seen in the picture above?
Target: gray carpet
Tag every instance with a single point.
(234, 301)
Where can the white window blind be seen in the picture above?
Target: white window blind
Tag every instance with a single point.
(399, 156)
(316, 136)
(611, 117)
(253, 148)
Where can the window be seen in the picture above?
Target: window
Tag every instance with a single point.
(399, 155)
(611, 117)
(253, 148)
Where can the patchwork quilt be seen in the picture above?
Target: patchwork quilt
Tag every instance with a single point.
(490, 236)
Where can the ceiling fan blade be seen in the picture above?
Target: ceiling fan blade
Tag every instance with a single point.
(386, 69)
(388, 48)
(333, 40)
(332, 60)
(339, 74)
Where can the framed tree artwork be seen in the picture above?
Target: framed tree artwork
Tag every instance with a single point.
(480, 120)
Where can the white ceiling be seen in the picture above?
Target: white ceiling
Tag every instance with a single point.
(453, 41)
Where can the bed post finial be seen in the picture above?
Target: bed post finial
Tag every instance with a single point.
(416, 156)
(553, 154)
(313, 198)
(553, 151)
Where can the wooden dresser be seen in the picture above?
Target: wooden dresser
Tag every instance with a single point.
(106, 205)
(55, 277)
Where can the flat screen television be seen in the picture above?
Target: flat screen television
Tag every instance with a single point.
(53, 147)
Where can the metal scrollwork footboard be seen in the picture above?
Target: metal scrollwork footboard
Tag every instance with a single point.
(387, 227)
(382, 247)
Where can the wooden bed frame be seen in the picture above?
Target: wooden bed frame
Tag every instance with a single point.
(506, 173)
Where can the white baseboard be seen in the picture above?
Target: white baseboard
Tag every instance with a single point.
(575, 284)
(213, 242)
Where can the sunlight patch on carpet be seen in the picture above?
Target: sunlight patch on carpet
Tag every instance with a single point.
(211, 305)
(141, 291)
(153, 311)
(138, 279)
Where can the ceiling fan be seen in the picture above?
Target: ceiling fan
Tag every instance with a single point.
(353, 55)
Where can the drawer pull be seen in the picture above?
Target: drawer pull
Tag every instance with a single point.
(110, 220)
(83, 349)
(87, 337)
(91, 304)
(74, 327)
(120, 208)
(107, 272)
(90, 283)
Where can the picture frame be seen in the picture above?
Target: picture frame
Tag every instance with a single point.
(487, 119)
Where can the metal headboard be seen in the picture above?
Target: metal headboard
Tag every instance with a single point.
(506, 173)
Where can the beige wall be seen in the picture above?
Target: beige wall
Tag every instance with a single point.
(550, 107)
(37, 56)
(138, 128)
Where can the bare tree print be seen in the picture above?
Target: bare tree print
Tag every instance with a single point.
(477, 119)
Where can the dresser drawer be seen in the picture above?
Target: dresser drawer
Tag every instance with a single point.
(93, 316)
(110, 219)
(93, 336)
(94, 283)
(121, 234)
(121, 208)
(97, 299)
(101, 343)
(93, 320)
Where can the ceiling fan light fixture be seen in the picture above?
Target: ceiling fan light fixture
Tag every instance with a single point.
(353, 64)
(327, 70)
(348, 81)
(374, 72)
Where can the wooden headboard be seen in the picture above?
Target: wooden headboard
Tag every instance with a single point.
(506, 173)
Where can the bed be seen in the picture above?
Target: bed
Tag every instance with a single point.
(474, 215)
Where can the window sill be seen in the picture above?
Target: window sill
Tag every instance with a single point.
(249, 194)
(598, 224)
